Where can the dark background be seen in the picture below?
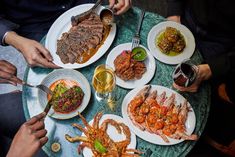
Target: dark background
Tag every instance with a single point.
(157, 6)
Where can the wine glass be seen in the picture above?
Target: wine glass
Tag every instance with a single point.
(104, 84)
(185, 73)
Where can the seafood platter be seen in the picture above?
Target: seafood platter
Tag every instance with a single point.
(105, 135)
(159, 115)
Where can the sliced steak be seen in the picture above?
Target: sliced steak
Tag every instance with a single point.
(80, 39)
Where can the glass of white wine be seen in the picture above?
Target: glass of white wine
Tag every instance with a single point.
(104, 84)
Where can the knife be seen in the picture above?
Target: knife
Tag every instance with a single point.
(48, 107)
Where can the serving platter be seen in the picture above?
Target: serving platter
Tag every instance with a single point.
(63, 24)
(67, 74)
(149, 62)
(156, 31)
(150, 137)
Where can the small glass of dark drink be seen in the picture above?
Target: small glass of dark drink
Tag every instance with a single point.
(185, 73)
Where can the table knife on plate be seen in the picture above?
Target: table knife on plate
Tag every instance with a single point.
(48, 107)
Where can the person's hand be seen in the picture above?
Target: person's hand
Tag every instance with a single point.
(204, 73)
(30, 138)
(121, 6)
(34, 53)
(174, 18)
(8, 73)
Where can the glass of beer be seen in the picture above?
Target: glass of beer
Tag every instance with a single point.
(104, 84)
(185, 73)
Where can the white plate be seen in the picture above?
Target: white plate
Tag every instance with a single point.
(153, 138)
(112, 132)
(63, 24)
(149, 62)
(188, 36)
(70, 75)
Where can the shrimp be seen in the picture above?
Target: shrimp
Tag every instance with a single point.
(169, 101)
(183, 114)
(161, 98)
(150, 101)
(134, 107)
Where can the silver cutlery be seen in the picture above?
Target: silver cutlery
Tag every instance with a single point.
(43, 88)
(40, 86)
(76, 19)
(136, 38)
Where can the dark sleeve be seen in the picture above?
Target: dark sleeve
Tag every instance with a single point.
(5, 25)
(223, 68)
(174, 7)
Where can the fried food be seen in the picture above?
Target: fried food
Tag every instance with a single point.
(165, 45)
(172, 34)
(127, 68)
(97, 139)
(171, 40)
(159, 114)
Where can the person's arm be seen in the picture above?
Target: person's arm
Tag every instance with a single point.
(5, 25)
(30, 138)
(217, 68)
(8, 73)
(34, 53)
(223, 68)
(204, 73)
(175, 8)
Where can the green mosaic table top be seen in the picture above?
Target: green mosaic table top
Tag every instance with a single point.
(126, 25)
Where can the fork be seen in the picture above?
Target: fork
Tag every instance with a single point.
(136, 38)
(40, 86)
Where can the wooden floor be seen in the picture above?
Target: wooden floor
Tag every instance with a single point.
(158, 6)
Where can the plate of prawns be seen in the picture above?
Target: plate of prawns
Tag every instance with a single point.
(159, 115)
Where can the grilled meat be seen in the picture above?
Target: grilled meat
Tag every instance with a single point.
(127, 68)
(80, 40)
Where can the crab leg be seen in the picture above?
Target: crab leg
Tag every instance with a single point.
(76, 138)
(104, 125)
(87, 125)
(96, 120)
(81, 129)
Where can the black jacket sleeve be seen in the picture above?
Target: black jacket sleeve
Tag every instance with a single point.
(223, 68)
(5, 25)
(175, 7)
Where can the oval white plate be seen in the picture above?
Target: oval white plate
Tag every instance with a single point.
(70, 75)
(149, 62)
(112, 132)
(153, 138)
(63, 24)
(188, 36)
